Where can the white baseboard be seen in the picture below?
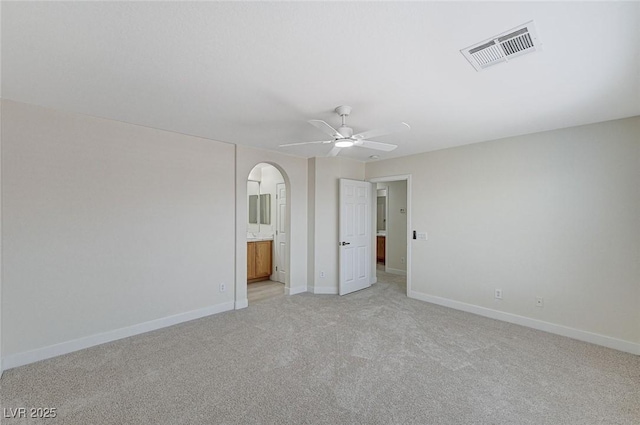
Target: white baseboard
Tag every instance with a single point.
(594, 338)
(242, 304)
(325, 290)
(296, 290)
(20, 359)
(395, 271)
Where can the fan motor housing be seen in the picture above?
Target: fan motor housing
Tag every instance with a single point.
(347, 132)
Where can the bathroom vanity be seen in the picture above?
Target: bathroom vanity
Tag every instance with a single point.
(259, 261)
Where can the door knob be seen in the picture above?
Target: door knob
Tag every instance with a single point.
(344, 243)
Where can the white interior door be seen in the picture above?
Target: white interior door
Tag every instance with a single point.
(355, 235)
(281, 233)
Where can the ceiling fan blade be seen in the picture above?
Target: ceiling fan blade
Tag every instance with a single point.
(403, 126)
(305, 143)
(334, 151)
(326, 128)
(387, 147)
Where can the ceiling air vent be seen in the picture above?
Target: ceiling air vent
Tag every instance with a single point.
(503, 47)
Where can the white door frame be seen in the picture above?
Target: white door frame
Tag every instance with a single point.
(385, 179)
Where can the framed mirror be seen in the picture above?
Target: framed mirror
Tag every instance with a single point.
(265, 208)
(253, 209)
(253, 192)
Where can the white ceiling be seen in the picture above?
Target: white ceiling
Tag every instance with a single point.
(254, 73)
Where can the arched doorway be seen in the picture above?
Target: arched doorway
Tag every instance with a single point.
(267, 232)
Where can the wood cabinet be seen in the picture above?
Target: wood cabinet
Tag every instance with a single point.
(380, 248)
(258, 260)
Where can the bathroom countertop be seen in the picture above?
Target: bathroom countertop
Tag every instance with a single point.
(260, 239)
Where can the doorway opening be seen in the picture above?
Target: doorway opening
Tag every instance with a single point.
(267, 233)
(392, 242)
(382, 208)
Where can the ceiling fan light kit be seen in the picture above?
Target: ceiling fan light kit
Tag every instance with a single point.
(345, 143)
(343, 137)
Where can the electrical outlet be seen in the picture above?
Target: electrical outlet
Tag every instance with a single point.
(539, 302)
(223, 287)
(498, 294)
(321, 275)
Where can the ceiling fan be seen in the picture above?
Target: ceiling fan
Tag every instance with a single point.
(343, 137)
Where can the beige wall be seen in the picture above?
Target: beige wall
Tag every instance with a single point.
(108, 225)
(294, 171)
(328, 171)
(552, 214)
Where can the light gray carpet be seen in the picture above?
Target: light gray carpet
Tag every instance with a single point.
(373, 357)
